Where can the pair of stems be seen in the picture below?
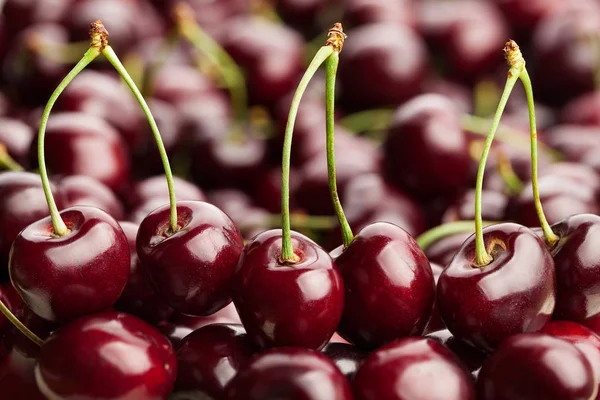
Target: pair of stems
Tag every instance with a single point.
(329, 54)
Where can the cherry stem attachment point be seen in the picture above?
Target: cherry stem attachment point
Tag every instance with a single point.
(7, 162)
(427, 238)
(331, 68)
(19, 325)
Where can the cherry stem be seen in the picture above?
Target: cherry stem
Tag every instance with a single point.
(369, 120)
(7, 162)
(287, 252)
(331, 68)
(303, 221)
(19, 325)
(549, 236)
(58, 225)
(427, 238)
(512, 182)
(114, 60)
(210, 48)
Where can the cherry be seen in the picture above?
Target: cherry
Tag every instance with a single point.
(364, 12)
(523, 16)
(191, 268)
(346, 357)
(250, 219)
(90, 279)
(303, 15)
(384, 64)
(156, 187)
(176, 83)
(139, 297)
(103, 95)
(512, 294)
(583, 110)
(413, 368)
(68, 365)
(209, 14)
(80, 190)
(82, 144)
(471, 358)
(289, 373)
(16, 136)
(435, 322)
(370, 266)
(420, 156)
(179, 325)
(22, 202)
(209, 358)
(536, 366)
(281, 304)
(270, 54)
(574, 142)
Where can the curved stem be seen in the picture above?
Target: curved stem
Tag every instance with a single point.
(287, 252)
(427, 238)
(58, 224)
(19, 325)
(549, 236)
(481, 255)
(210, 48)
(114, 60)
(512, 182)
(7, 162)
(302, 221)
(331, 67)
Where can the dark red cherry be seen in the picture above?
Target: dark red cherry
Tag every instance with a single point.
(470, 357)
(22, 202)
(384, 64)
(363, 12)
(287, 305)
(106, 356)
(583, 110)
(156, 187)
(435, 322)
(179, 325)
(103, 94)
(577, 262)
(80, 190)
(290, 373)
(11, 299)
(413, 368)
(371, 266)
(192, 269)
(250, 219)
(269, 53)
(346, 357)
(514, 293)
(82, 144)
(426, 151)
(209, 358)
(176, 83)
(64, 277)
(585, 339)
(493, 206)
(523, 16)
(536, 366)
(139, 297)
(574, 142)
(16, 136)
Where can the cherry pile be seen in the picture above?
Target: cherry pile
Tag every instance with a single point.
(235, 200)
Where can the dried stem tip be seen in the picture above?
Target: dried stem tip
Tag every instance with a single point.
(336, 37)
(98, 35)
(513, 56)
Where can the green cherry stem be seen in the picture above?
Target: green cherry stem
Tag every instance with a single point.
(7, 162)
(332, 44)
(427, 238)
(331, 68)
(482, 258)
(58, 225)
(19, 325)
(549, 236)
(111, 56)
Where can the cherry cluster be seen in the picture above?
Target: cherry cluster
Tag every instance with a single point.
(444, 250)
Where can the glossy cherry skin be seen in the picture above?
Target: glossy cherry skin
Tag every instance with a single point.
(287, 305)
(81, 190)
(22, 202)
(426, 150)
(82, 144)
(536, 366)
(514, 293)
(106, 356)
(192, 269)
(209, 358)
(64, 277)
(371, 266)
(471, 358)
(577, 264)
(290, 373)
(413, 368)
(585, 339)
(346, 357)
(139, 297)
(16, 136)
